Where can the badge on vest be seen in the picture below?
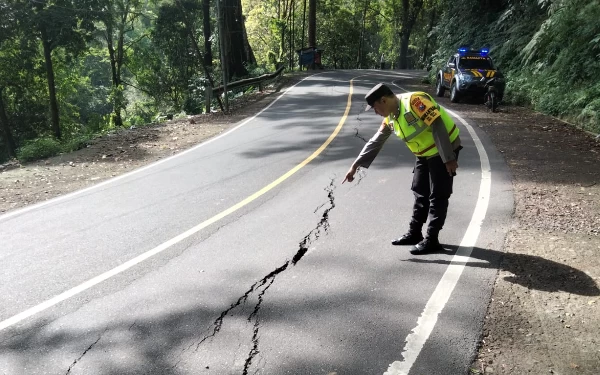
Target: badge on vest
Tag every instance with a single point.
(410, 118)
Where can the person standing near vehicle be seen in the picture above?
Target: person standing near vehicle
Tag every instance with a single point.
(432, 136)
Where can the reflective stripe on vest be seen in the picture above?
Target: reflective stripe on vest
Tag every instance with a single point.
(418, 135)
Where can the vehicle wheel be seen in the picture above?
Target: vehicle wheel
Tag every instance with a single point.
(454, 93)
(439, 88)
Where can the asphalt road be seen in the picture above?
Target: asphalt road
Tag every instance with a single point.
(246, 255)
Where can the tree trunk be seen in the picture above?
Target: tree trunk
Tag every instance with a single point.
(312, 26)
(291, 34)
(201, 58)
(236, 43)
(404, 39)
(51, 85)
(207, 33)
(111, 53)
(5, 129)
(312, 23)
(121, 104)
(409, 18)
(432, 17)
(116, 60)
(303, 26)
(362, 37)
(282, 14)
(247, 48)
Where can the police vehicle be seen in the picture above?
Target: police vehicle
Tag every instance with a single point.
(469, 73)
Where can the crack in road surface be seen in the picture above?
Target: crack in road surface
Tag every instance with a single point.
(265, 283)
(84, 353)
(254, 351)
(360, 136)
(361, 172)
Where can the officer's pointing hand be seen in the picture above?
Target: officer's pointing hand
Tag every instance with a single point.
(350, 175)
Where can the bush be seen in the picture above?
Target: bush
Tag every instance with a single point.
(589, 118)
(194, 101)
(76, 143)
(141, 113)
(257, 70)
(41, 148)
(517, 89)
(38, 148)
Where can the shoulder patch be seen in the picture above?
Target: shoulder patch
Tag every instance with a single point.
(425, 109)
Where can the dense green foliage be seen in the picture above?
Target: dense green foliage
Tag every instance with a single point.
(70, 69)
(549, 50)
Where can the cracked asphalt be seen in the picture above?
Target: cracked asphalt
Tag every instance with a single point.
(300, 279)
(266, 282)
(82, 355)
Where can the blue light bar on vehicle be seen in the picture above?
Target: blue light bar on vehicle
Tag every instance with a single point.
(484, 51)
(463, 50)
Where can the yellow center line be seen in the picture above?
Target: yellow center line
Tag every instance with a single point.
(290, 172)
(160, 248)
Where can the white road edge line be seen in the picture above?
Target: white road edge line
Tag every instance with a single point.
(426, 322)
(158, 249)
(111, 180)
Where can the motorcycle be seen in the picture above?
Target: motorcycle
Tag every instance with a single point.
(491, 99)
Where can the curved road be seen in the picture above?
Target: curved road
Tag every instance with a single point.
(245, 255)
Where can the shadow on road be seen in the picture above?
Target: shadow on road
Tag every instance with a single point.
(529, 271)
(156, 344)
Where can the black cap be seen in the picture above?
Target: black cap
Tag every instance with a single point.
(380, 90)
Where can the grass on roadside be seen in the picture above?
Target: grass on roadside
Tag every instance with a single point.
(41, 148)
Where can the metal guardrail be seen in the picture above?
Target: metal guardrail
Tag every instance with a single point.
(248, 81)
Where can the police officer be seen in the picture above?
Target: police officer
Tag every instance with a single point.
(432, 136)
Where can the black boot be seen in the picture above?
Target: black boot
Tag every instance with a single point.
(412, 237)
(428, 245)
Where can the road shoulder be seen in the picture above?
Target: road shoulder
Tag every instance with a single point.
(544, 312)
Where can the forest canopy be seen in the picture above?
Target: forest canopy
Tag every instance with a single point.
(73, 69)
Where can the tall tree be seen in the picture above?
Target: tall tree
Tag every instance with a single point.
(269, 25)
(59, 25)
(48, 47)
(339, 33)
(118, 18)
(7, 32)
(180, 56)
(23, 90)
(284, 15)
(312, 23)
(432, 18)
(187, 7)
(206, 29)
(359, 63)
(5, 129)
(238, 51)
(409, 14)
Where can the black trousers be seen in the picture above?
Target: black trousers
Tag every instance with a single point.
(432, 187)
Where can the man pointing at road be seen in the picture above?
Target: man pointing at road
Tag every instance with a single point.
(432, 136)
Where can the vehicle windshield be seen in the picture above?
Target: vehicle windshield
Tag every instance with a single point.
(475, 62)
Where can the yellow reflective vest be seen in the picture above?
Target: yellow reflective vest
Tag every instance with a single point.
(417, 111)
